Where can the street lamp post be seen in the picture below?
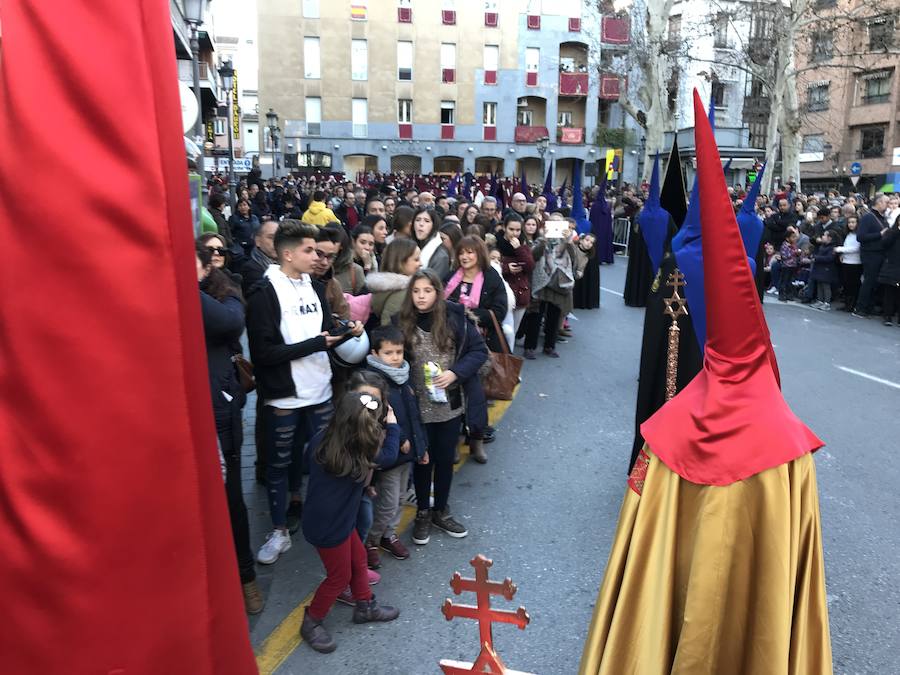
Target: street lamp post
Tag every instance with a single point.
(193, 14)
(542, 145)
(226, 72)
(272, 124)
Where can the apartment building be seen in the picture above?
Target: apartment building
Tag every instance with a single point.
(437, 85)
(209, 78)
(850, 98)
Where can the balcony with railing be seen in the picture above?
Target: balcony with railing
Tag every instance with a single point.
(573, 69)
(208, 79)
(530, 134)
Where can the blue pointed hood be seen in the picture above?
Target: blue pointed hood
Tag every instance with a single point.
(451, 187)
(654, 220)
(523, 186)
(467, 186)
(750, 224)
(582, 224)
(601, 215)
(548, 190)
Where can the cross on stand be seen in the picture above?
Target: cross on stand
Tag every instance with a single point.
(488, 661)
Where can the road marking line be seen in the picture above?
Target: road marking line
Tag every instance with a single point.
(285, 638)
(879, 380)
(609, 290)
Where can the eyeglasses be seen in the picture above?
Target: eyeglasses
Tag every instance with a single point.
(369, 402)
(217, 251)
(326, 256)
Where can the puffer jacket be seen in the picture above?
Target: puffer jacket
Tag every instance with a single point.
(388, 290)
(319, 214)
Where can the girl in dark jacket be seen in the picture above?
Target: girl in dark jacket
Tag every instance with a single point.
(477, 287)
(824, 270)
(223, 323)
(889, 276)
(445, 351)
(244, 225)
(518, 264)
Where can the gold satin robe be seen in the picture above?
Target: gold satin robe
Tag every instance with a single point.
(706, 580)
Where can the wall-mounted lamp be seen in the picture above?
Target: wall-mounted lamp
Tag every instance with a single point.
(512, 149)
(337, 147)
(427, 148)
(470, 149)
(384, 147)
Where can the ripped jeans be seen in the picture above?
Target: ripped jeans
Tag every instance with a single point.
(287, 432)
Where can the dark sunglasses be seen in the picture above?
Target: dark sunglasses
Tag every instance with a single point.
(217, 251)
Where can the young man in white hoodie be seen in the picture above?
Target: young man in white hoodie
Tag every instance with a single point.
(288, 324)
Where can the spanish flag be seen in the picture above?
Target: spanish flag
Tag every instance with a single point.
(117, 554)
(717, 566)
(358, 12)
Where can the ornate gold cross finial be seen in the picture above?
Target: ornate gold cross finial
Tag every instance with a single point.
(675, 307)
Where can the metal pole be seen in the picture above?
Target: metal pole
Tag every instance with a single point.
(232, 183)
(195, 61)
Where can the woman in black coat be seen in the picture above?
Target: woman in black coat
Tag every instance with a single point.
(223, 324)
(479, 288)
(889, 276)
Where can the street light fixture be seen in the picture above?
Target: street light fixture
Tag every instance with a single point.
(272, 124)
(226, 72)
(193, 14)
(542, 144)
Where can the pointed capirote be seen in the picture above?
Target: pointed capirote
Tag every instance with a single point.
(672, 194)
(718, 429)
(582, 224)
(654, 220)
(750, 224)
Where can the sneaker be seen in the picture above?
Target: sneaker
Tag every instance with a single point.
(367, 611)
(394, 546)
(316, 635)
(294, 516)
(410, 497)
(565, 332)
(560, 339)
(448, 524)
(888, 322)
(253, 599)
(552, 353)
(422, 528)
(529, 354)
(825, 306)
(772, 291)
(817, 304)
(859, 315)
(373, 577)
(277, 543)
(346, 597)
(373, 560)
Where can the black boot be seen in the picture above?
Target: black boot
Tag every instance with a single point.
(476, 449)
(369, 610)
(316, 635)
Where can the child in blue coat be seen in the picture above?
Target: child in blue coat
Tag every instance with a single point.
(388, 361)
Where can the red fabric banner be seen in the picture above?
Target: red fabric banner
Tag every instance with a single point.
(118, 555)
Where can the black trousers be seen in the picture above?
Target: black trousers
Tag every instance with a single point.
(871, 264)
(230, 431)
(851, 275)
(891, 300)
(442, 440)
(532, 321)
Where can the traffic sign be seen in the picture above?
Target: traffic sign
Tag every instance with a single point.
(854, 180)
(855, 169)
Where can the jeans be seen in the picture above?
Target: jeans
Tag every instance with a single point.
(442, 440)
(344, 564)
(391, 485)
(871, 264)
(364, 517)
(775, 274)
(230, 431)
(287, 432)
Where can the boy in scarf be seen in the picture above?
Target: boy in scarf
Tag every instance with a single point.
(387, 359)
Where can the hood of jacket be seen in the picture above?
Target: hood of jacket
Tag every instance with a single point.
(316, 208)
(378, 282)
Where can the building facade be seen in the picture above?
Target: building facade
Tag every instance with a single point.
(849, 94)
(435, 86)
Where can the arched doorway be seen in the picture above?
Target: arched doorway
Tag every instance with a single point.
(448, 165)
(532, 168)
(408, 164)
(488, 165)
(356, 163)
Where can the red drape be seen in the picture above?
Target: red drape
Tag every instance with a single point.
(116, 550)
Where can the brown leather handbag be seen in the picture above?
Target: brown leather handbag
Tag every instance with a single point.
(244, 370)
(502, 377)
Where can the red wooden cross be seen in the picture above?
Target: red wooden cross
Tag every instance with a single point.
(488, 661)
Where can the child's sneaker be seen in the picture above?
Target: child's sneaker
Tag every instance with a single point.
(448, 524)
(410, 497)
(373, 560)
(373, 577)
(346, 597)
(277, 543)
(422, 528)
(395, 547)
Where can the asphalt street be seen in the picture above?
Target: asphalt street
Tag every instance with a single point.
(546, 505)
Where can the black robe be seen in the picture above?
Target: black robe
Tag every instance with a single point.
(654, 350)
(586, 294)
(639, 274)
